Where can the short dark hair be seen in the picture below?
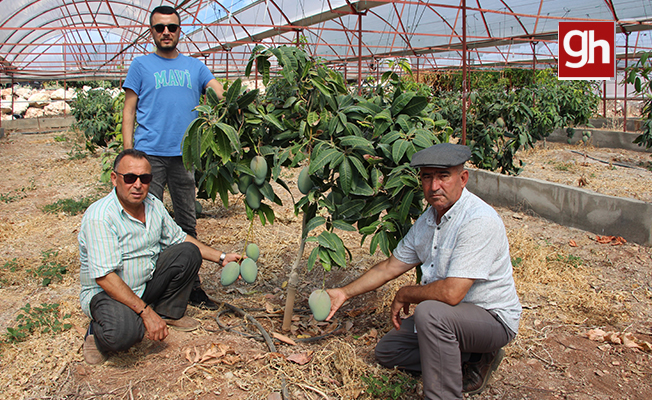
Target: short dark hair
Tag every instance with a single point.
(167, 10)
(129, 152)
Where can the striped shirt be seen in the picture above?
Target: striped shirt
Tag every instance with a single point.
(111, 240)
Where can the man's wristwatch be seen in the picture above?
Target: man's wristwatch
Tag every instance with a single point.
(222, 257)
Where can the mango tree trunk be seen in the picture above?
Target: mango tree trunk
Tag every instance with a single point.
(293, 280)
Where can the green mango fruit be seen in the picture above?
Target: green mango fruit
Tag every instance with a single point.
(249, 270)
(244, 182)
(253, 197)
(230, 273)
(259, 166)
(252, 251)
(304, 182)
(320, 304)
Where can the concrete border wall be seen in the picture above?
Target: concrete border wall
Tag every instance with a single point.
(38, 125)
(602, 139)
(566, 205)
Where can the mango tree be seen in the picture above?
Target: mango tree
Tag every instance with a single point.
(357, 151)
(640, 75)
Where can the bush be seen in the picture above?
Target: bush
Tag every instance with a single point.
(94, 115)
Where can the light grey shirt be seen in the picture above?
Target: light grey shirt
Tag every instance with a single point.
(469, 242)
(111, 240)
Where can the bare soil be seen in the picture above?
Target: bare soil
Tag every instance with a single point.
(569, 283)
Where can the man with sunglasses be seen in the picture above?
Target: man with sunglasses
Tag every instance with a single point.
(137, 265)
(161, 91)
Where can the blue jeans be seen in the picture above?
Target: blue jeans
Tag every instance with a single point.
(117, 327)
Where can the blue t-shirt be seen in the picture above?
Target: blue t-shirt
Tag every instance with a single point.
(167, 90)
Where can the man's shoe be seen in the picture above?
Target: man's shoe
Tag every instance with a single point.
(476, 374)
(92, 355)
(183, 324)
(199, 298)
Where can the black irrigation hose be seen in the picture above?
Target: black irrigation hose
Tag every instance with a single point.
(268, 340)
(609, 162)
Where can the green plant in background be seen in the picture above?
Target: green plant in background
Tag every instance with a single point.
(94, 115)
(45, 318)
(640, 75)
(389, 387)
(500, 122)
(115, 146)
(568, 260)
(69, 206)
(17, 194)
(49, 269)
(10, 266)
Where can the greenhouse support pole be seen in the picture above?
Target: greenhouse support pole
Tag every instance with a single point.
(626, 65)
(359, 54)
(616, 92)
(464, 72)
(604, 99)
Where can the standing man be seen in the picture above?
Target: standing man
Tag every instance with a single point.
(467, 308)
(137, 265)
(161, 91)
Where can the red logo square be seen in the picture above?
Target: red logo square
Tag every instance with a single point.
(587, 50)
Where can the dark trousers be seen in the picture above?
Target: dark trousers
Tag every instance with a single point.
(170, 171)
(117, 327)
(445, 336)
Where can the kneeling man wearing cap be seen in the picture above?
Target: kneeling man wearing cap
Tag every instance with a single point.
(467, 308)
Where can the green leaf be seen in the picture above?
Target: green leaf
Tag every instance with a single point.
(344, 226)
(323, 89)
(404, 206)
(312, 258)
(378, 205)
(289, 102)
(362, 188)
(232, 134)
(356, 142)
(338, 256)
(233, 92)
(416, 105)
(328, 240)
(359, 167)
(319, 160)
(205, 109)
(271, 118)
(352, 208)
(267, 191)
(400, 102)
(398, 150)
(325, 258)
(313, 118)
(211, 95)
(314, 223)
(346, 176)
(247, 98)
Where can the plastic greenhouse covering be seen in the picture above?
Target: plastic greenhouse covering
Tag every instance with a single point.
(97, 39)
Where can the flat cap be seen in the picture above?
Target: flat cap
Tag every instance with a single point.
(442, 155)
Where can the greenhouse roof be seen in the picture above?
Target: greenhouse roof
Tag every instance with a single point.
(97, 39)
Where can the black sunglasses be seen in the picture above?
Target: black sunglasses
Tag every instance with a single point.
(131, 178)
(161, 27)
